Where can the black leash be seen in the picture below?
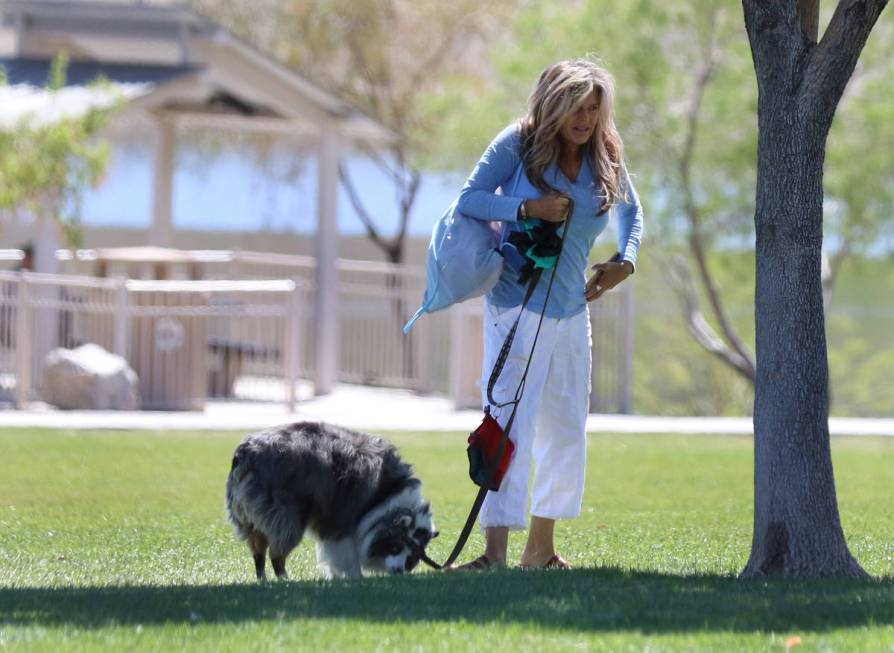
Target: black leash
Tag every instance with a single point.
(494, 376)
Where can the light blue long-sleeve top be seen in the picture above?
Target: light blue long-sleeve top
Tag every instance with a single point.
(500, 168)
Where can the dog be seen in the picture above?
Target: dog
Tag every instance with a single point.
(349, 491)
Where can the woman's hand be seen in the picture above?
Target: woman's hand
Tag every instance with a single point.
(606, 276)
(552, 208)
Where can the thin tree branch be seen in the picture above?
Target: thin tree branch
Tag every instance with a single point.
(714, 299)
(831, 270)
(681, 281)
(365, 218)
(696, 241)
(702, 81)
(809, 11)
(386, 167)
(834, 59)
(406, 204)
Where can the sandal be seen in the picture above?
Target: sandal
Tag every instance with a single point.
(481, 563)
(556, 562)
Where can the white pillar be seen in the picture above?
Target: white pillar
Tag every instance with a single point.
(292, 345)
(326, 302)
(44, 314)
(24, 342)
(19, 35)
(162, 230)
(49, 239)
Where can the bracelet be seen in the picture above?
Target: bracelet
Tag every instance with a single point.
(522, 213)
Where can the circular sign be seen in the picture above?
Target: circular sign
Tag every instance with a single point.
(169, 334)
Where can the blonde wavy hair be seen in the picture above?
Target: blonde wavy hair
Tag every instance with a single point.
(561, 90)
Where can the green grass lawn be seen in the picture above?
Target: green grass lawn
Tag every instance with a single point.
(118, 541)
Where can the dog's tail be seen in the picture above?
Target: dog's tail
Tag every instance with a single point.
(240, 465)
(236, 493)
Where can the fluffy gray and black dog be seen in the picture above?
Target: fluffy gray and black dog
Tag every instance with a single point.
(350, 491)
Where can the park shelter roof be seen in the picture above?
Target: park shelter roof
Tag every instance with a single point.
(187, 65)
(36, 72)
(176, 68)
(26, 94)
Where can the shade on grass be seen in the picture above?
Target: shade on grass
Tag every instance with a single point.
(114, 540)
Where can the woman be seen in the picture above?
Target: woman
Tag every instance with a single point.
(566, 146)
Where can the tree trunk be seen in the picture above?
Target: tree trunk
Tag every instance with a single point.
(797, 530)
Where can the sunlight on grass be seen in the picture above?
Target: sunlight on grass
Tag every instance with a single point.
(118, 540)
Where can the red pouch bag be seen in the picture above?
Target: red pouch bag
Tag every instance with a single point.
(484, 443)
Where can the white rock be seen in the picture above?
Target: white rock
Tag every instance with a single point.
(89, 378)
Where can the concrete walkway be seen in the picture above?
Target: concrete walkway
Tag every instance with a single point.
(378, 409)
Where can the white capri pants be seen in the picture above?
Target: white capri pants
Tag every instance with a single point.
(551, 420)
